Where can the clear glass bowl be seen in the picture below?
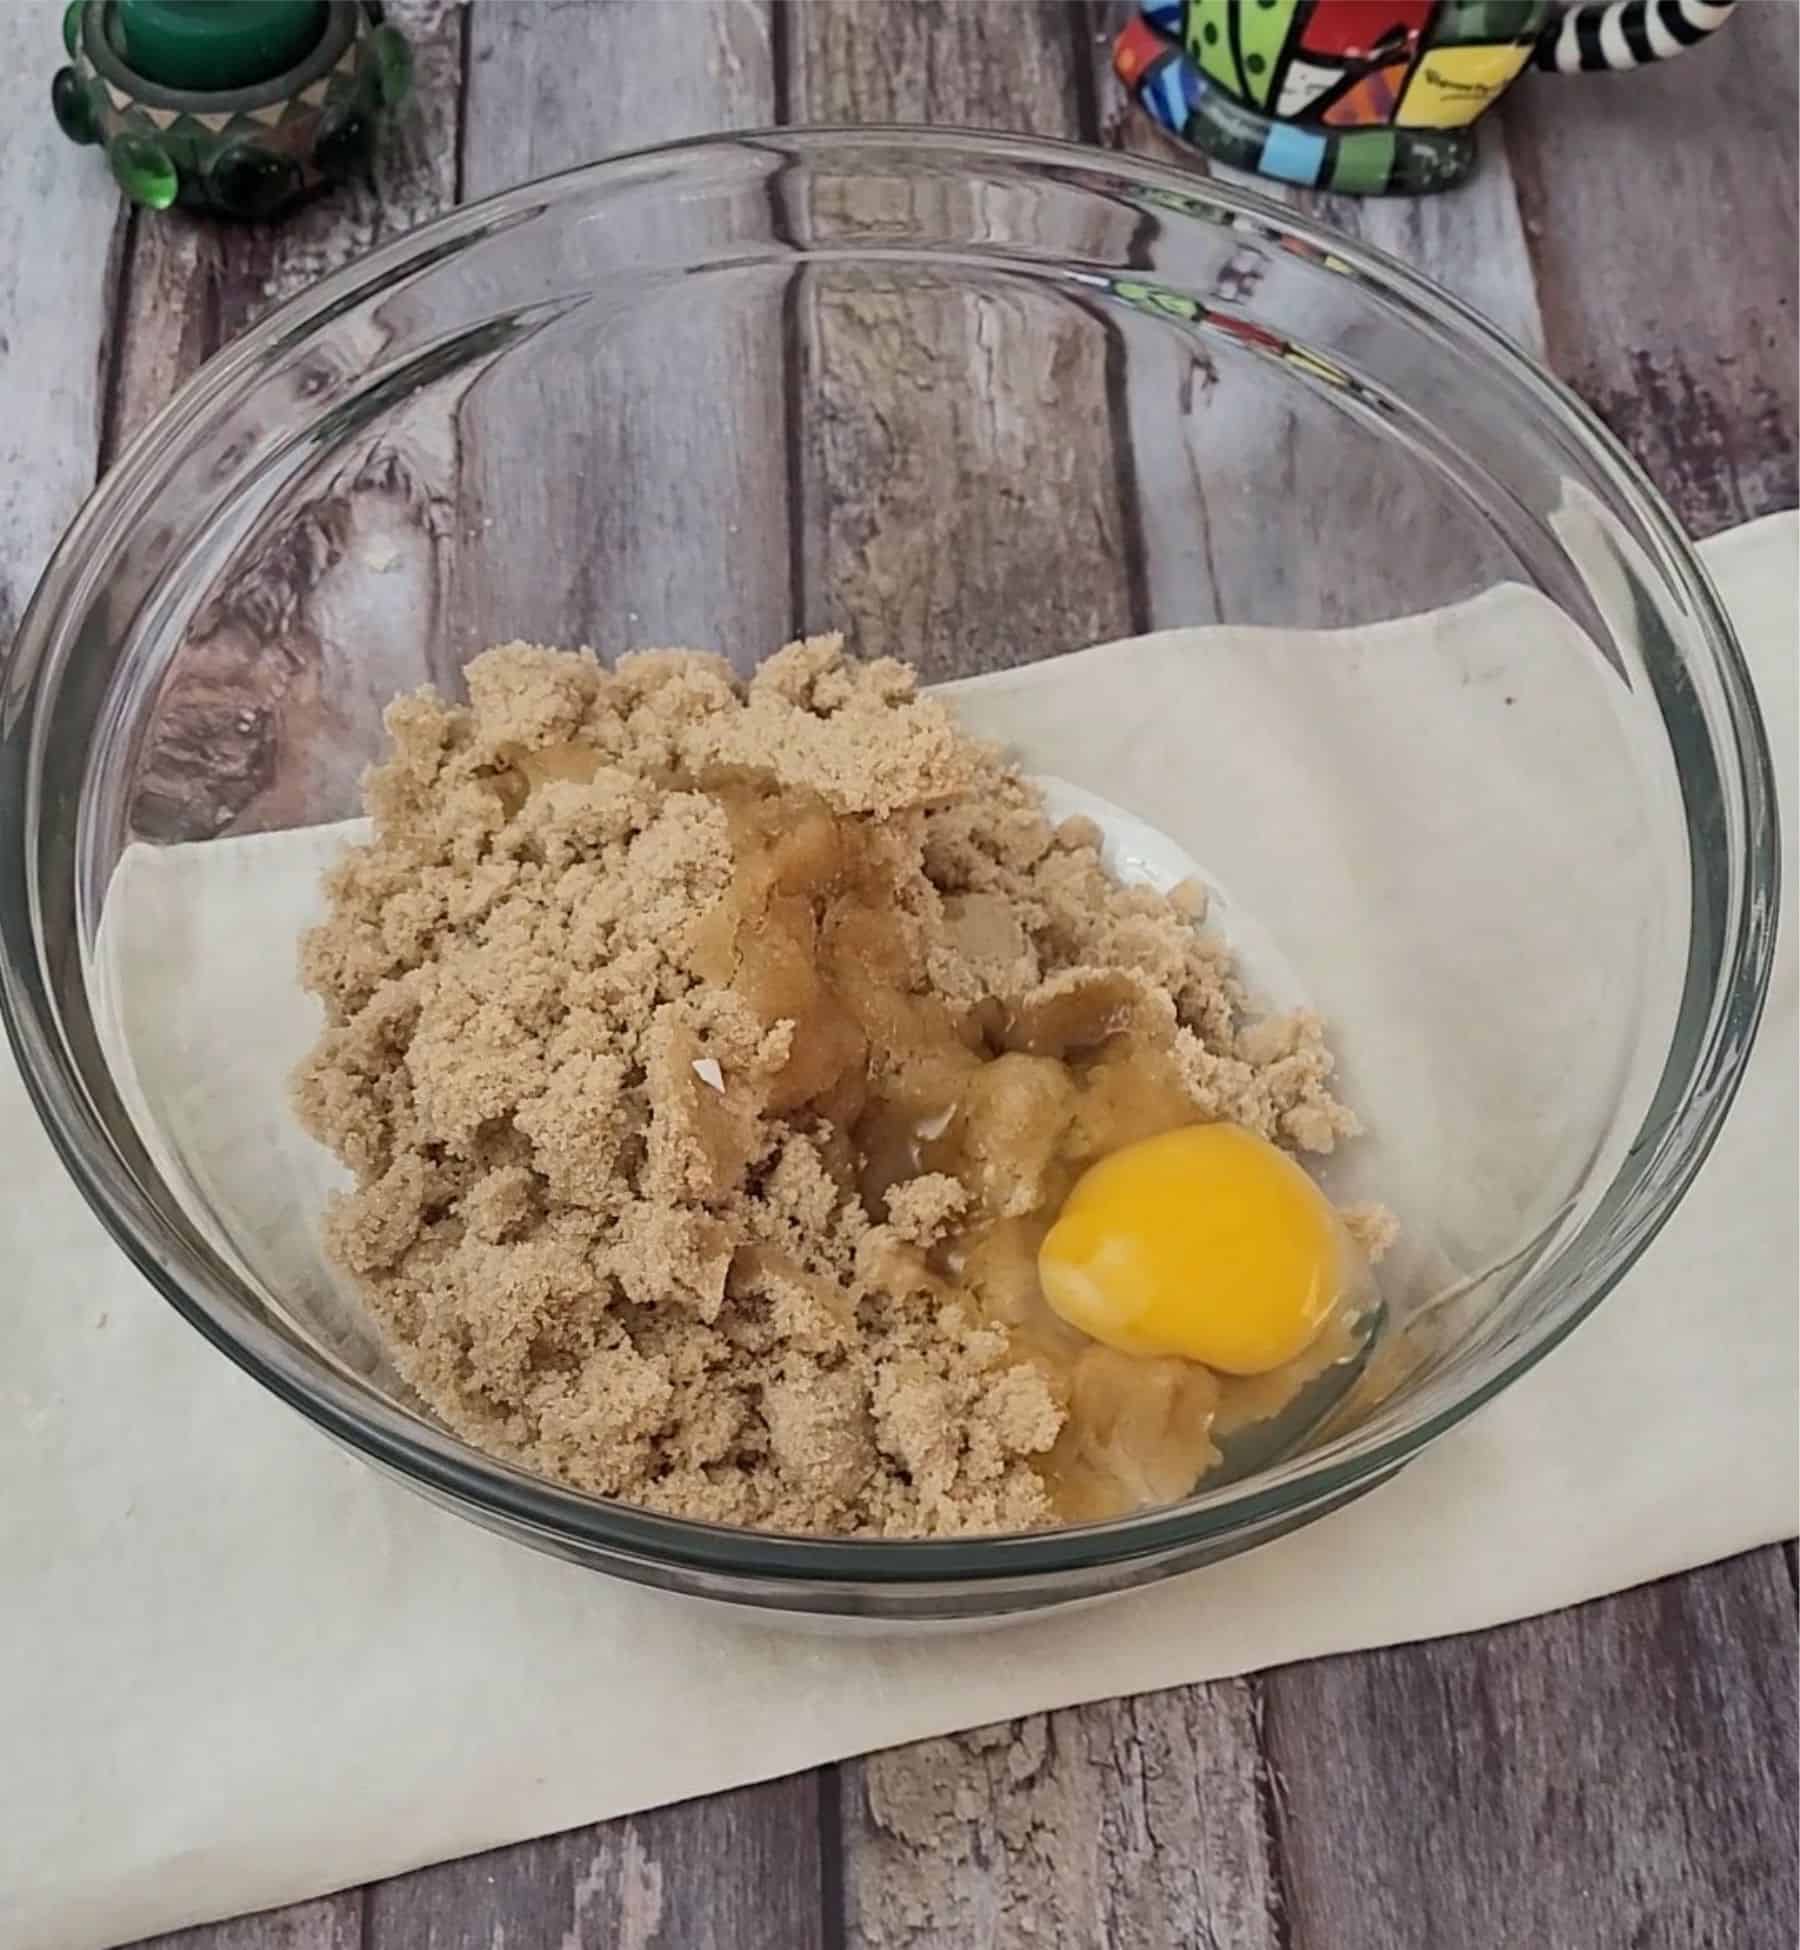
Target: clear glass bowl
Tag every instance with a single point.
(978, 401)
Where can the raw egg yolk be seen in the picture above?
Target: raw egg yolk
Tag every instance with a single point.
(1206, 1242)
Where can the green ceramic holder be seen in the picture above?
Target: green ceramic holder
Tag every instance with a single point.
(239, 107)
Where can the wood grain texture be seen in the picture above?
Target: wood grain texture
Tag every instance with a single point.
(1673, 314)
(733, 1872)
(193, 284)
(1654, 1850)
(626, 485)
(60, 339)
(54, 328)
(1137, 1824)
(330, 1923)
(1618, 1774)
(1660, 211)
(1220, 445)
(916, 488)
(946, 529)
(262, 719)
(642, 501)
(1622, 1773)
(1471, 241)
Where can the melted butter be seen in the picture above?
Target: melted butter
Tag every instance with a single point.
(525, 771)
(812, 930)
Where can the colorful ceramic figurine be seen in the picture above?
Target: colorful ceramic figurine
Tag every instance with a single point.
(236, 106)
(1372, 96)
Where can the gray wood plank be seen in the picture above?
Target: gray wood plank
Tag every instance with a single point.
(1473, 241)
(192, 284)
(1623, 1773)
(935, 1849)
(1677, 324)
(630, 488)
(733, 1872)
(57, 345)
(912, 496)
(330, 1923)
(1674, 316)
(245, 734)
(185, 288)
(1474, 1729)
(1661, 210)
(950, 539)
(54, 312)
(1138, 1824)
(1217, 442)
(661, 517)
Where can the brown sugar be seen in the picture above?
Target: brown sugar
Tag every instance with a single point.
(711, 1058)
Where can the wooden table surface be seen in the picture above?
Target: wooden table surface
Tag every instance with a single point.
(1619, 1774)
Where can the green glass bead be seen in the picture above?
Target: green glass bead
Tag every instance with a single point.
(72, 28)
(342, 147)
(73, 107)
(143, 170)
(390, 60)
(246, 180)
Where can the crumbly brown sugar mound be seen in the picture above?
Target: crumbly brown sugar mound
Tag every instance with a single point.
(710, 1058)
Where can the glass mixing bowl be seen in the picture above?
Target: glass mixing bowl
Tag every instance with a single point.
(978, 401)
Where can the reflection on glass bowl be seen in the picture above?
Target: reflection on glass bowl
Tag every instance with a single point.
(979, 402)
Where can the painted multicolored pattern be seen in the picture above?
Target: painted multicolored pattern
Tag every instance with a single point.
(1364, 96)
(1161, 302)
(1369, 96)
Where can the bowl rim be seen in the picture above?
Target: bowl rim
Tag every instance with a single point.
(443, 1465)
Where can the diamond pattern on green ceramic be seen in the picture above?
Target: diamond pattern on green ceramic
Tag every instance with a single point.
(144, 170)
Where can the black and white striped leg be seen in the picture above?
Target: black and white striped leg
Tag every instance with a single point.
(1592, 38)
